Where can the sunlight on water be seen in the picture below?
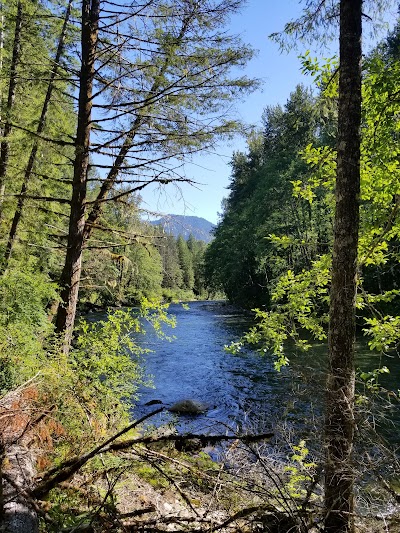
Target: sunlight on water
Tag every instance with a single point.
(243, 391)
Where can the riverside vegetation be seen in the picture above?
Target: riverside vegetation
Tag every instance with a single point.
(99, 100)
(307, 187)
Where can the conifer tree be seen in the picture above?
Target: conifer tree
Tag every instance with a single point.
(186, 263)
(39, 131)
(162, 85)
(73, 263)
(12, 85)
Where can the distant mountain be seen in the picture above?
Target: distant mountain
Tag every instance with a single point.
(183, 225)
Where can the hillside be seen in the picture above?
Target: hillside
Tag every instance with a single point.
(183, 225)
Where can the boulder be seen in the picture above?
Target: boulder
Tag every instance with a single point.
(189, 407)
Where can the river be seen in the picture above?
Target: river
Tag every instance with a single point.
(244, 391)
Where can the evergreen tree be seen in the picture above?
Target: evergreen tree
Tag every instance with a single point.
(121, 264)
(186, 263)
(34, 150)
(245, 255)
(197, 249)
(182, 63)
(9, 111)
(39, 131)
(172, 272)
(71, 274)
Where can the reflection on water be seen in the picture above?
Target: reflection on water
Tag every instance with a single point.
(243, 391)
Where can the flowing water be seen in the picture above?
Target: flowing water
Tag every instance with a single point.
(244, 391)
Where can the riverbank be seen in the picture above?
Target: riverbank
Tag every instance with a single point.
(168, 296)
(171, 489)
(101, 485)
(167, 490)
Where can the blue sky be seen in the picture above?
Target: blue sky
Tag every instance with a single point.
(280, 73)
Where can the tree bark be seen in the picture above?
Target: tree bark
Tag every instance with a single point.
(35, 146)
(4, 146)
(71, 274)
(20, 514)
(339, 421)
(18, 511)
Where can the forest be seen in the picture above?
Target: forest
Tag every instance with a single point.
(101, 100)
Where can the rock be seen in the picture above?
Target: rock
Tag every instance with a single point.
(168, 507)
(189, 407)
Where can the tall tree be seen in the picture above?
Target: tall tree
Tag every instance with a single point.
(34, 149)
(12, 86)
(172, 272)
(197, 249)
(73, 262)
(339, 418)
(186, 263)
(242, 259)
(339, 422)
(39, 131)
(152, 77)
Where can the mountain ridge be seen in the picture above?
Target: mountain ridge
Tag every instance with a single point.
(186, 225)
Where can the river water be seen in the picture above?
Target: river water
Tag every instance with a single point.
(244, 392)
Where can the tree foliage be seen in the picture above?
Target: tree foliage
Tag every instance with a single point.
(98, 100)
(294, 235)
(265, 228)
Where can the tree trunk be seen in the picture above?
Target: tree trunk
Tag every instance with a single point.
(1, 59)
(18, 511)
(151, 97)
(35, 146)
(339, 421)
(20, 514)
(4, 146)
(71, 274)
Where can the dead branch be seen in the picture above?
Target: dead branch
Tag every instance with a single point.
(204, 439)
(61, 473)
(64, 471)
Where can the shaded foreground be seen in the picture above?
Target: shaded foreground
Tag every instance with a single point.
(161, 481)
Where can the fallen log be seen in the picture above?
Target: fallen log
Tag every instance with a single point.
(66, 470)
(18, 508)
